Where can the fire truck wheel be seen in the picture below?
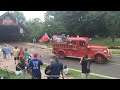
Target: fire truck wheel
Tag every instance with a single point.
(61, 54)
(100, 59)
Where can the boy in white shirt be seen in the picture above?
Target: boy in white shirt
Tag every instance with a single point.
(65, 70)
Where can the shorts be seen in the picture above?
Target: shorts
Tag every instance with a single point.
(16, 58)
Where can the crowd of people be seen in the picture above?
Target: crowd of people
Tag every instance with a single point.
(27, 64)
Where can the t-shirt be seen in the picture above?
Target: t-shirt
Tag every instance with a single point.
(35, 66)
(7, 50)
(65, 71)
(56, 67)
(21, 54)
(86, 66)
(26, 54)
(16, 52)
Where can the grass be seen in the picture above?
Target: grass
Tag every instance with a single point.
(12, 75)
(115, 52)
(77, 75)
(106, 41)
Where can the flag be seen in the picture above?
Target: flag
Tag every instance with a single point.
(45, 38)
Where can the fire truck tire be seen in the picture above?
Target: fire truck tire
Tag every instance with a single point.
(100, 59)
(61, 54)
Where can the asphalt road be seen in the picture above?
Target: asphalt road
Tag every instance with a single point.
(112, 68)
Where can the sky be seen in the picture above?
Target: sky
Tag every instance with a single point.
(31, 14)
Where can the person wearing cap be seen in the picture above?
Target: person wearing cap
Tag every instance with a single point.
(56, 69)
(34, 65)
(85, 62)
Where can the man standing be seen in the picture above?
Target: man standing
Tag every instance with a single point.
(85, 62)
(34, 65)
(4, 51)
(47, 69)
(56, 68)
(7, 50)
(15, 53)
(1, 53)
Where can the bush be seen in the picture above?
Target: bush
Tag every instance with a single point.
(114, 47)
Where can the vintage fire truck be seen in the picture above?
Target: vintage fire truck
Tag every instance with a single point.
(76, 47)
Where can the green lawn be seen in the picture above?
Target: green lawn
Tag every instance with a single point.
(77, 75)
(105, 41)
(12, 75)
(115, 52)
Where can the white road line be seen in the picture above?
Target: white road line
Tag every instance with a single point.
(114, 63)
(96, 74)
(93, 74)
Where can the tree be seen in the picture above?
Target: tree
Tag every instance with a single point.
(19, 15)
(35, 27)
(112, 21)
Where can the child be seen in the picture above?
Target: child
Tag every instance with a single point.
(18, 68)
(30, 56)
(65, 70)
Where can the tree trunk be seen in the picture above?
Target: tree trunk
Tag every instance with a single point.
(113, 39)
(113, 36)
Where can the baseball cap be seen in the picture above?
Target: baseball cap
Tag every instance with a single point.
(35, 54)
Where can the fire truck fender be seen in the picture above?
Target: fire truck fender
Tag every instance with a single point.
(98, 53)
(61, 51)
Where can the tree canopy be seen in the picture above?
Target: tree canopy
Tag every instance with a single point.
(84, 23)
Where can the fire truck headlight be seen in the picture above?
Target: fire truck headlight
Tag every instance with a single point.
(104, 51)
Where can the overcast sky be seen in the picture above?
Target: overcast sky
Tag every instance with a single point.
(31, 14)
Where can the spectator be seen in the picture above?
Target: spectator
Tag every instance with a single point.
(47, 69)
(15, 53)
(63, 38)
(85, 62)
(4, 52)
(7, 52)
(26, 54)
(56, 68)
(65, 70)
(34, 65)
(34, 40)
(30, 56)
(20, 68)
(0, 53)
(21, 55)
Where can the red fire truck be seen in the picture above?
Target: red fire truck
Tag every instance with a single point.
(76, 47)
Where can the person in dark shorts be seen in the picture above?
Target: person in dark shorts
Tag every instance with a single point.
(20, 68)
(34, 65)
(15, 53)
(85, 62)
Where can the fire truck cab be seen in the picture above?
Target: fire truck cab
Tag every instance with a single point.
(76, 47)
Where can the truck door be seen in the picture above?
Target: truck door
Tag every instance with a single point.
(83, 49)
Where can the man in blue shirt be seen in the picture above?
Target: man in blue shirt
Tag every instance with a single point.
(7, 52)
(56, 68)
(35, 66)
